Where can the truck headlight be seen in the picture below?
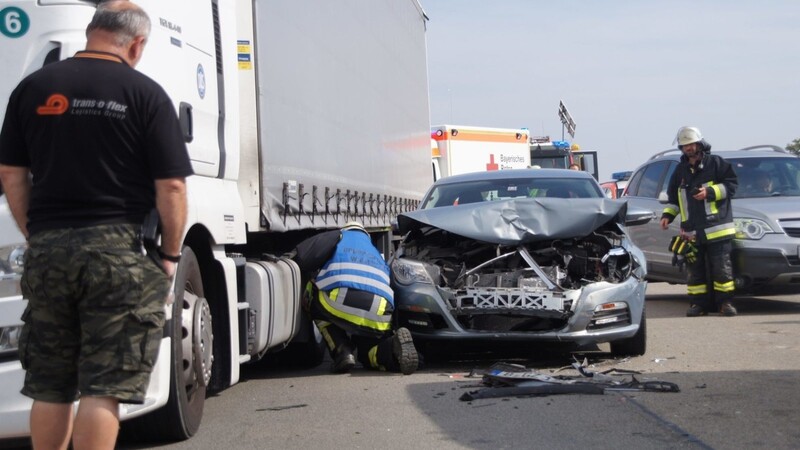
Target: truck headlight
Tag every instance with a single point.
(12, 259)
(754, 229)
(9, 340)
(409, 272)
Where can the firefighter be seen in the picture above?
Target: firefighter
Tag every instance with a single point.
(700, 190)
(349, 298)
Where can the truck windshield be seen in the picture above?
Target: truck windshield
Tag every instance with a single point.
(556, 162)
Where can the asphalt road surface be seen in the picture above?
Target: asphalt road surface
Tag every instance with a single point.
(738, 379)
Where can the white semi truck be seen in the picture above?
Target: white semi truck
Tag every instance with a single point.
(462, 149)
(299, 117)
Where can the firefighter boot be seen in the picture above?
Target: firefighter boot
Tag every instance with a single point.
(727, 309)
(696, 310)
(344, 360)
(339, 346)
(396, 353)
(404, 352)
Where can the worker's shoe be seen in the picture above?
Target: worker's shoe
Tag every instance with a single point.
(696, 311)
(344, 360)
(727, 309)
(404, 352)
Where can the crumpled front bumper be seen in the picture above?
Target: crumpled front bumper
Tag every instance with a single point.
(422, 309)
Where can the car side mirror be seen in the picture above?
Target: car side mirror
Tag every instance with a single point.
(638, 217)
(663, 198)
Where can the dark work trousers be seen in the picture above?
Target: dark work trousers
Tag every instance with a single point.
(710, 278)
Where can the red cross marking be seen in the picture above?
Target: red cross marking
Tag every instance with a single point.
(492, 165)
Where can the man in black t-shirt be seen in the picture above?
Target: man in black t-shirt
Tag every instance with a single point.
(88, 147)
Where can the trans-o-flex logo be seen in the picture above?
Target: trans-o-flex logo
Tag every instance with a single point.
(58, 104)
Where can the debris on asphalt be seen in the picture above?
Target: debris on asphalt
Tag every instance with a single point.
(513, 380)
(660, 360)
(281, 408)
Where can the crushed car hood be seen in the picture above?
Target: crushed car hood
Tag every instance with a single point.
(519, 220)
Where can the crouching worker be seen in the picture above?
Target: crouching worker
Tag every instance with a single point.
(349, 298)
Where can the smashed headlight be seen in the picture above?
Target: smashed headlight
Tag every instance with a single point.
(409, 272)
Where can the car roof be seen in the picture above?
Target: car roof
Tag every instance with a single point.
(514, 173)
(756, 151)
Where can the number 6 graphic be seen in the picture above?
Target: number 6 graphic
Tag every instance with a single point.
(14, 22)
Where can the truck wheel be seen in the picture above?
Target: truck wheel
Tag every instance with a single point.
(190, 362)
(635, 345)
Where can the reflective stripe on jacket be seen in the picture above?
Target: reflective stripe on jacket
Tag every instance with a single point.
(356, 264)
(712, 218)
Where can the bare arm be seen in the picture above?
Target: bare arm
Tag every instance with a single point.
(17, 187)
(171, 205)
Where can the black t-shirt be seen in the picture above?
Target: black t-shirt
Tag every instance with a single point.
(95, 134)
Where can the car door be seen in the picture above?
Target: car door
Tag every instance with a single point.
(647, 185)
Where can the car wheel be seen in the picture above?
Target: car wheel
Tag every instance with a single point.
(632, 346)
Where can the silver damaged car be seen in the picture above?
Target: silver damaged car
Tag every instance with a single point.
(534, 255)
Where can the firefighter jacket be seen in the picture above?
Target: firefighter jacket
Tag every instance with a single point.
(711, 219)
(357, 264)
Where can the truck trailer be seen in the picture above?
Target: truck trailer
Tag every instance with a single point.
(462, 149)
(299, 116)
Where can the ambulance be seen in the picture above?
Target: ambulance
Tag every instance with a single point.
(463, 149)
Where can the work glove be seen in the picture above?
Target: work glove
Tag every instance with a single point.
(682, 251)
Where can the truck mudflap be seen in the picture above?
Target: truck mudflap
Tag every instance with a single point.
(273, 293)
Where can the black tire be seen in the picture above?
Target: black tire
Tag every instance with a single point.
(190, 329)
(635, 345)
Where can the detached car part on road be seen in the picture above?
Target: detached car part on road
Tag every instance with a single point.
(521, 255)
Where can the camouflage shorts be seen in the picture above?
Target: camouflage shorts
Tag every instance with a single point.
(95, 314)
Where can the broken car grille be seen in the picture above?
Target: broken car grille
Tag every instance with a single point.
(504, 298)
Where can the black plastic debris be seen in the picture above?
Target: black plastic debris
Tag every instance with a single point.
(512, 380)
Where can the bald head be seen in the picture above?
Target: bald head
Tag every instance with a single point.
(120, 27)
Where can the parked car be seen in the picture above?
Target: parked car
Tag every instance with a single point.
(616, 187)
(531, 255)
(766, 249)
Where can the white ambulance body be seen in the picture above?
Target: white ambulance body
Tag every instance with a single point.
(464, 149)
(299, 116)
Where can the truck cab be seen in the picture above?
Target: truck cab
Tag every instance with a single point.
(548, 154)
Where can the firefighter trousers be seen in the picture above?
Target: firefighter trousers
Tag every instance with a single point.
(710, 277)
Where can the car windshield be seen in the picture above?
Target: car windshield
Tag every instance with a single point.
(767, 177)
(449, 194)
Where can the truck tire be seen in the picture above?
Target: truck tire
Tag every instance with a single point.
(635, 345)
(190, 361)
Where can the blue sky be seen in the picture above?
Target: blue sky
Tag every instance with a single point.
(630, 72)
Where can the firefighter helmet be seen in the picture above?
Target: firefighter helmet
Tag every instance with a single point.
(688, 135)
(354, 226)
